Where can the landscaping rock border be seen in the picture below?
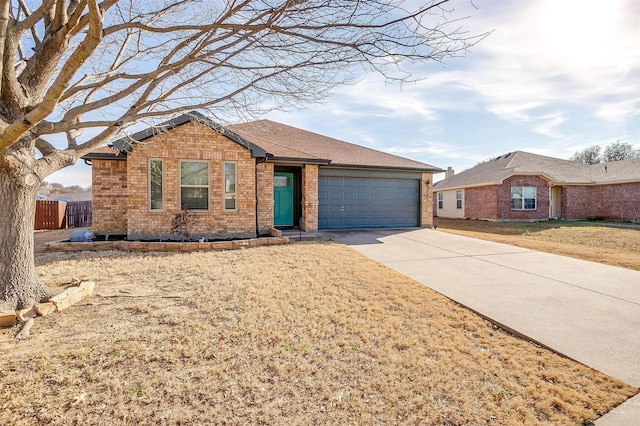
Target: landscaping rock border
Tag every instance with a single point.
(165, 246)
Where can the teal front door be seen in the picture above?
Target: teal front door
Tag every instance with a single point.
(283, 199)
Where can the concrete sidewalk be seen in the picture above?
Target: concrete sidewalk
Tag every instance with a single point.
(587, 311)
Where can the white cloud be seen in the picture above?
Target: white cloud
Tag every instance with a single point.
(550, 124)
(570, 52)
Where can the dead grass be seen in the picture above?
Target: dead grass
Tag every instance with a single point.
(582, 240)
(42, 238)
(292, 335)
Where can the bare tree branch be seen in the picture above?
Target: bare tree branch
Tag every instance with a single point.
(5, 10)
(112, 63)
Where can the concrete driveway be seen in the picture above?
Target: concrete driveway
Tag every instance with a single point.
(587, 311)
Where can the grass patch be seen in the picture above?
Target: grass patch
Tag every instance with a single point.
(299, 334)
(582, 240)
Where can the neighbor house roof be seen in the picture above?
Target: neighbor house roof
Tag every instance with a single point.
(276, 142)
(555, 170)
(287, 143)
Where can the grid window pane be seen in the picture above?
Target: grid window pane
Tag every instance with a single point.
(230, 186)
(194, 185)
(523, 198)
(195, 198)
(529, 192)
(155, 185)
(230, 202)
(194, 173)
(529, 203)
(516, 203)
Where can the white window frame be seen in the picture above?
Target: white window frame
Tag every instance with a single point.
(149, 193)
(227, 194)
(208, 185)
(440, 200)
(523, 198)
(459, 199)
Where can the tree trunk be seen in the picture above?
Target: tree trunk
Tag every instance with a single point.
(19, 284)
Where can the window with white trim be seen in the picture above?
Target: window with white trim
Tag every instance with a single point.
(523, 198)
(459, 199)
(194, 184)
(229, 186)
(156, 199)
(440, 200)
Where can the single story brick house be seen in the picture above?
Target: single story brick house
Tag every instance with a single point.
(524, 186)
(240, 181)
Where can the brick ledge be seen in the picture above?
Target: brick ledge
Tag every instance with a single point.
(165, 246)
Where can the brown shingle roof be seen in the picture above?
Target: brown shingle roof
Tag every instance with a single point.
(286, 142)
(494, 172)
(105, 153)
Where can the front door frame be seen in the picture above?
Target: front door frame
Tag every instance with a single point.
(555, 201)
(297, 192)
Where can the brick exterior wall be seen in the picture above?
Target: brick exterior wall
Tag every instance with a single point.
(109, 196)
(482, 202)
(493, 202)
(309, 198)
(265, 197)
(426, 200)
(542, 199)
(616, 202)
(191, 141)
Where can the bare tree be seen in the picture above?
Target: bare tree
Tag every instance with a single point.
(589, 155)
(76, 73)
(617, 151)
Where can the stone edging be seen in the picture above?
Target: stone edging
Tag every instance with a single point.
(166, 246)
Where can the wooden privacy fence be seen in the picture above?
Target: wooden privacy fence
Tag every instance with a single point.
(78, 214)
(62, 214)
(49, 214)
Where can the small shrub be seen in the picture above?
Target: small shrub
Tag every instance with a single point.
(182, 223)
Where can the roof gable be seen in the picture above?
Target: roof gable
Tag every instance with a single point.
(557, 171)
(127, 144)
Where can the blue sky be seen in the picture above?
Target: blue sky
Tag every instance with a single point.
(553, 77)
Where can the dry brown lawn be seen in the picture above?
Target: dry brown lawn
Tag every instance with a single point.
(309, 333)
(583, 240)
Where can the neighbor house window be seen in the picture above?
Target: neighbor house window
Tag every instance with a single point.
(194, 185)
(155, 185)
(458, 199)
(440, 200)
(229, 186)
(523, 198)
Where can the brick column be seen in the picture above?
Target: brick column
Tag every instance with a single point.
(309, 198)
(109, 203)
(265, 196)
(426, 198)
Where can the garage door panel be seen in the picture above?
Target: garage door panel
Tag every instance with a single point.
(349, 197)
(352, 202)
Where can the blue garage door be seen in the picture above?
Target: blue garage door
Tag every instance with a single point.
(357, 202)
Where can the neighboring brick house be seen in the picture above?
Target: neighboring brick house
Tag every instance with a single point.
(524, 186)
(241, 180)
